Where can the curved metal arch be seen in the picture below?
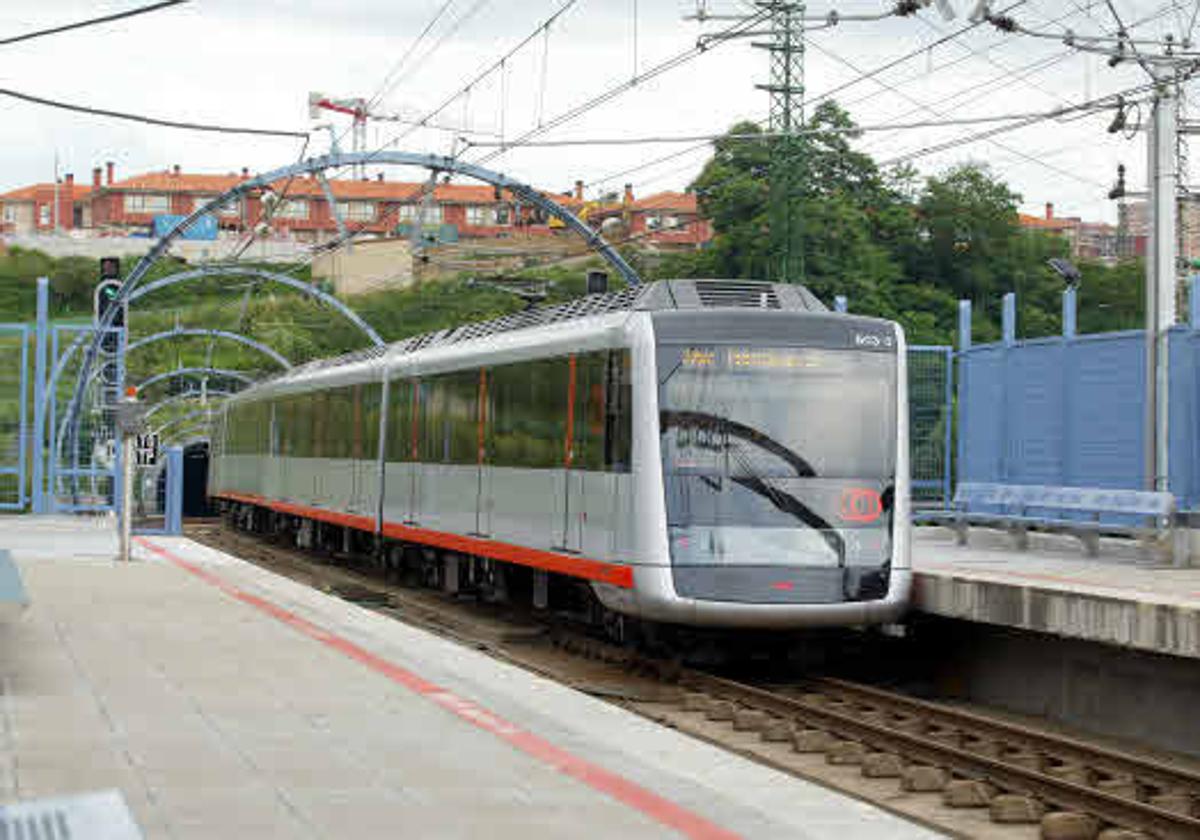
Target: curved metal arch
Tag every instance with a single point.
(195, 371)
(204, 413)
(174, 399)
(221, 269)
(435, 163)
(196, 332)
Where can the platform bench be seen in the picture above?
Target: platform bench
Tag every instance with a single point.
(1084, 512)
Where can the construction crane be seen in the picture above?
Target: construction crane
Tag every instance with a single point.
(357, 108)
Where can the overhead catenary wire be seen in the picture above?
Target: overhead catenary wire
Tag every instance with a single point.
(148, 120)
(96, 21)
(484, 73)
(855, 129)
(829, 94)
(611, 93)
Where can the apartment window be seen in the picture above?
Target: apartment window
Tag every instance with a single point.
(481, 215)
(44, 214)
(294, 208)
(409, 213)
(146, 203)
(660, 221)
(10, 213)
(233, 208)
(357, 211)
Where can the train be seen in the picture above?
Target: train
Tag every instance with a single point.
(695, 453)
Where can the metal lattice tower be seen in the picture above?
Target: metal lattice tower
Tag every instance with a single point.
(786, 88)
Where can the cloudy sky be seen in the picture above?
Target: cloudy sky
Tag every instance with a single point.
(253, 63)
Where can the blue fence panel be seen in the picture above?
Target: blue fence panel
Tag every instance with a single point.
(981, 413)
(1107, 394)
(1033, 413)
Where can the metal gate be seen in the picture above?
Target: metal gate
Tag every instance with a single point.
(14, 440)
(930, 424)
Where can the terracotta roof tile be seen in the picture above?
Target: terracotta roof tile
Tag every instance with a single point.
(304, 186)
(33, 191)
(682, 202)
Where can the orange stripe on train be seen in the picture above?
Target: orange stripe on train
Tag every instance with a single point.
(550, 561)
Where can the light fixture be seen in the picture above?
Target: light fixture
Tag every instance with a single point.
(1066, 270)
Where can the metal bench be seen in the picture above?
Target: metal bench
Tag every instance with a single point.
(1084, 512)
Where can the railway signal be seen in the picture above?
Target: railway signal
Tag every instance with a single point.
(107, 295)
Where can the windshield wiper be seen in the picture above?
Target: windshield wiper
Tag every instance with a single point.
(732, 428)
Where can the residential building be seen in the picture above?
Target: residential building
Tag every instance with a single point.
(129, 206)
(1086, 240)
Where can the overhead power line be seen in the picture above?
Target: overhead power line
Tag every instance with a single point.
(1096, 105)
(141, 10)
(141, 118)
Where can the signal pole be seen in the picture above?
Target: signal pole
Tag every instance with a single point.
(1161, 270)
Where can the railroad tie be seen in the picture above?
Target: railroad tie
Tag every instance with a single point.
(845, 752)
(1069, 825)
(923, 778)
(1015, 808)
(882, 765)
(811, 740)
(967, 793)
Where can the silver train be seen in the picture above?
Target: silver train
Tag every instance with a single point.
(705, 453)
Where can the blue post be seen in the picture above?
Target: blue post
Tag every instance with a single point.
(1069, 306)
(173, 515)
(1009, 319)
(41, 340)
(964, 346)
(1194, 301)
(840, 303)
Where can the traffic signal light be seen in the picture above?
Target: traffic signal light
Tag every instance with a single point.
(108, 292)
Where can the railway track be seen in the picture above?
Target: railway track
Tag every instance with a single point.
(960, 771)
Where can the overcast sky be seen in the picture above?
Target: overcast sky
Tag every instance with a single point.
(253, 63)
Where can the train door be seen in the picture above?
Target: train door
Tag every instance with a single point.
(484, 501)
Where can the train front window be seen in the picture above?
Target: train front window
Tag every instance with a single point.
(778, 455)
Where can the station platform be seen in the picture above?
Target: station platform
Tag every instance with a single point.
(1052, 587)
(222, 700)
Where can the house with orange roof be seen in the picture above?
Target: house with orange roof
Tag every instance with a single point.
(1086, 240)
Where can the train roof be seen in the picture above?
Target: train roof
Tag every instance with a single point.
(661, 295)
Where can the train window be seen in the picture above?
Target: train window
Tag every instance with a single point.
(431, 446)
(400, 421)
(530, 409)
(618, 412)
(372, 396)
(460, 419)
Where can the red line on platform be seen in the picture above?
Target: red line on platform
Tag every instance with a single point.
(619, 788)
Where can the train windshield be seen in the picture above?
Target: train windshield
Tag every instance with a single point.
(778, 456)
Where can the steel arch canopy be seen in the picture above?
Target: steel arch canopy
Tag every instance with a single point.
(436, 163)
(175, 399)
(219, 270)
(226, 335)
(195, 371)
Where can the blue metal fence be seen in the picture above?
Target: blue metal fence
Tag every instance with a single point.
(1069, 410)
(14, 439)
